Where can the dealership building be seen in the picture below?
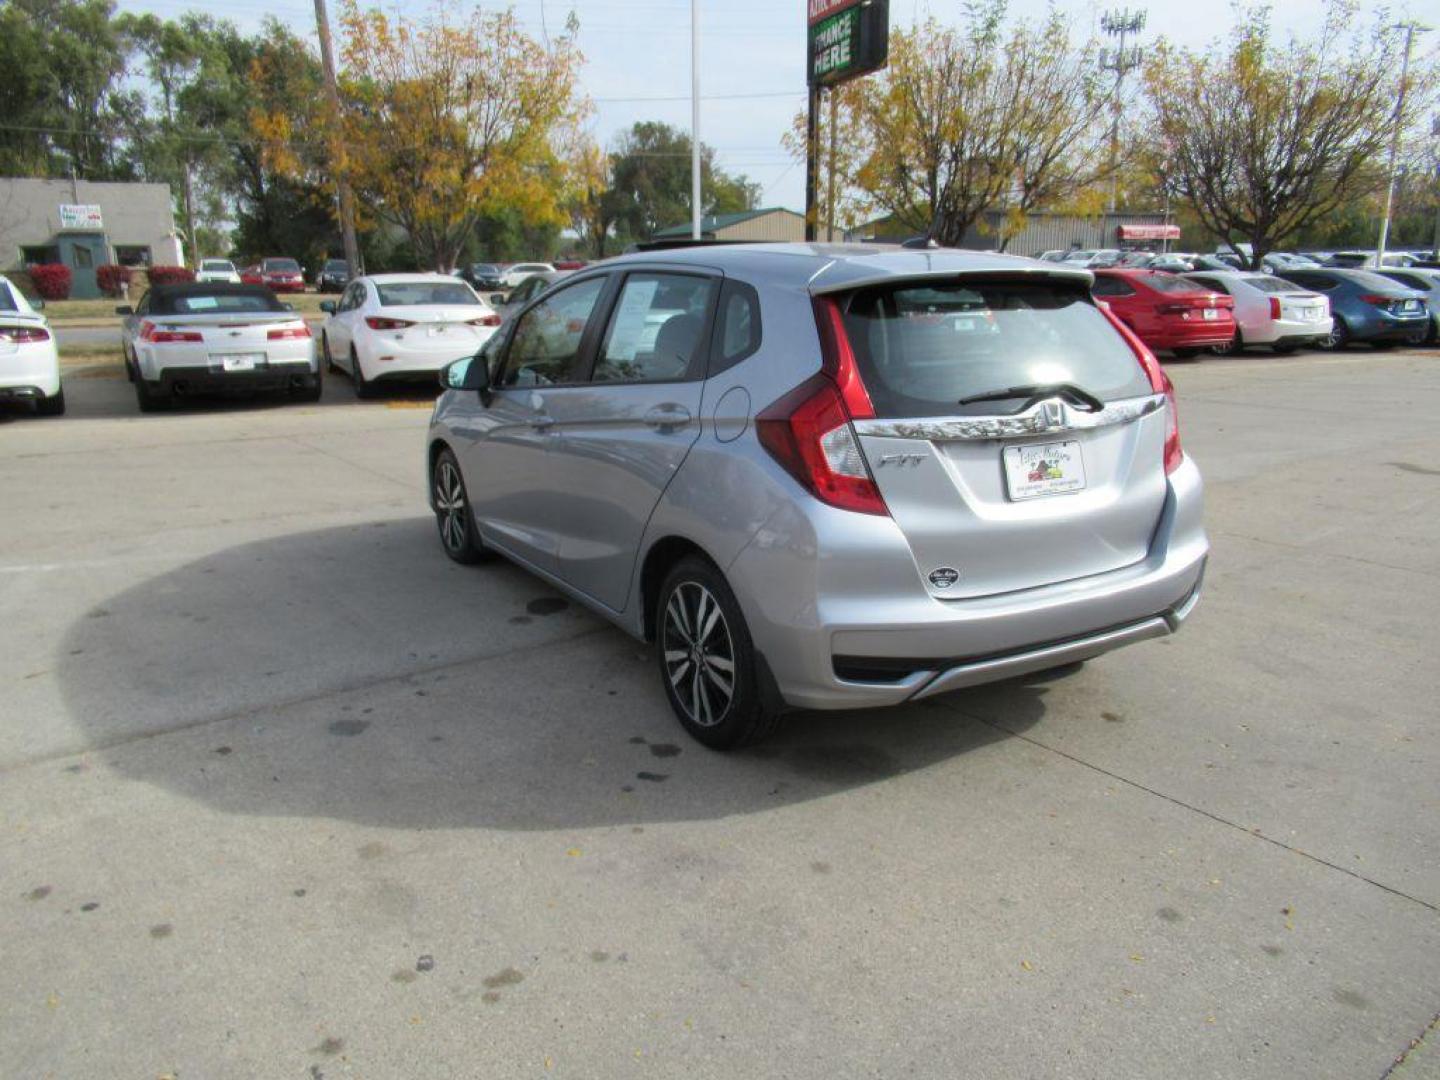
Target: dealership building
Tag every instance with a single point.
(85, 225)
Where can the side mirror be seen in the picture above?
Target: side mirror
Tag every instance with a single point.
(124, 309)
(498, 299)
(327, 306)
(467, 373)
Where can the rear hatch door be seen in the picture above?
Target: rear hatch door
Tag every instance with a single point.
(1030, 487)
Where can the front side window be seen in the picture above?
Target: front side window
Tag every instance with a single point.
(655, 331)
(546, 341)
(921, 348)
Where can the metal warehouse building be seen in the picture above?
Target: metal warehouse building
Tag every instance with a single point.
(769, 223)
(85, 225)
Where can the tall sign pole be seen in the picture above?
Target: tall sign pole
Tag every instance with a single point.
(337, 144)
(1411, 29)
(844, 40)
(695, 119)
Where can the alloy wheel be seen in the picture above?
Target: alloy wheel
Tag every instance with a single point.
(699, 654)
(451, 508)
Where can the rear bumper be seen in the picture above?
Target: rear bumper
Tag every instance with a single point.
(1382, 327)
(207, 380)
(392, 360)
(1200, 336)
(32, 370)
(856, 630)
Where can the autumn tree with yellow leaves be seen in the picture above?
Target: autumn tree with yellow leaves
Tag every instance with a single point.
(1263, 140)
(442, 121)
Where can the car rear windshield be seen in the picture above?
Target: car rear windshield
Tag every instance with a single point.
(337, 264)
(1368, 280)
(228, 303)
(921, 348)
(1273, 284)
(287, 265)
(419, 293)
(1170, 284)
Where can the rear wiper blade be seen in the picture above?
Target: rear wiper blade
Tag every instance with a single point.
(1035, 391)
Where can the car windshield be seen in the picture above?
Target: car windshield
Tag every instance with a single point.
(417, 293)
(921, 349)
(483, 268)
(337, 264)
(228, 303)
(286, 265)
(216, 264)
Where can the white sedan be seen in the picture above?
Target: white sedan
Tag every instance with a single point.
(1268, 309)
(403, 327)
(515, 273)
(29, 362)
(217, 272)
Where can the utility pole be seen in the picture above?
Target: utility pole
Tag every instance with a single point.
(1121, 60)
(1411, 28)
(812, 165)
(830, 177)
(1435, 240)
(337, 144)
(695, 119)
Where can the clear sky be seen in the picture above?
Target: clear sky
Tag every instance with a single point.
(752, 63)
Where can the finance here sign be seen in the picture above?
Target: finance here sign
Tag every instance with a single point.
(847, 38)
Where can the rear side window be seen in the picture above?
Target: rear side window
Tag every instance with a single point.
(737, 327)
(656, 329)
(921, 348)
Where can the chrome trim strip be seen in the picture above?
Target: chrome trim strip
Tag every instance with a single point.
(1023, 663)
(1042, 418)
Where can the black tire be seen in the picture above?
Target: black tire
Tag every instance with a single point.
(330, 364)
(363, 387)
(51, 406)
(1284, 350)
(1234, 347)
(701, 705)
(1338, 337)
(453, 516)
(147, 399)
(309, 393)
(1186, 353)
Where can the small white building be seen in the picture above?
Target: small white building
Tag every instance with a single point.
(86, 224)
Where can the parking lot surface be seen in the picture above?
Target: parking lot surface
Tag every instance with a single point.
(286, 793)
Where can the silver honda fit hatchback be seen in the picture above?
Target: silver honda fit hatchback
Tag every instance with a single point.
(827, 476)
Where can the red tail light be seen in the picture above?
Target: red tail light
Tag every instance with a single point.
(149, 332)
(24, 335)
(288, 333)
(377, 322)
(486, 320)
(808, 431)
(1274, 307)
(1161, 384)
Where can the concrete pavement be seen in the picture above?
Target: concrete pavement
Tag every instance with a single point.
(284, 792)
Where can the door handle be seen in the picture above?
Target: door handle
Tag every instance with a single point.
(667, 417)
(542, 423)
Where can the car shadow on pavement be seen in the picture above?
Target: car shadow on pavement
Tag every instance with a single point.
(355, 673)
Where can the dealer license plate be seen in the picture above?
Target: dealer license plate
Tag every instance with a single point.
(1211, 313)
(240, 361)
(1043, 469)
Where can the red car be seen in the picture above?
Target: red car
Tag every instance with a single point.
(1165, 311)
(278, 275)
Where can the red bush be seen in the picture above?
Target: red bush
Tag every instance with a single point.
(170, 275)
(51, 280)
(112, 279)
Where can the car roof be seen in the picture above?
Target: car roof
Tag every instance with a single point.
(208, 288)
(823, 268)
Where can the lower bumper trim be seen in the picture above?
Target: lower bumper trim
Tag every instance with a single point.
(1041, 659)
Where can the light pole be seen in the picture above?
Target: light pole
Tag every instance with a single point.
(695, 119)
(1121, 60)
(1411, 28)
